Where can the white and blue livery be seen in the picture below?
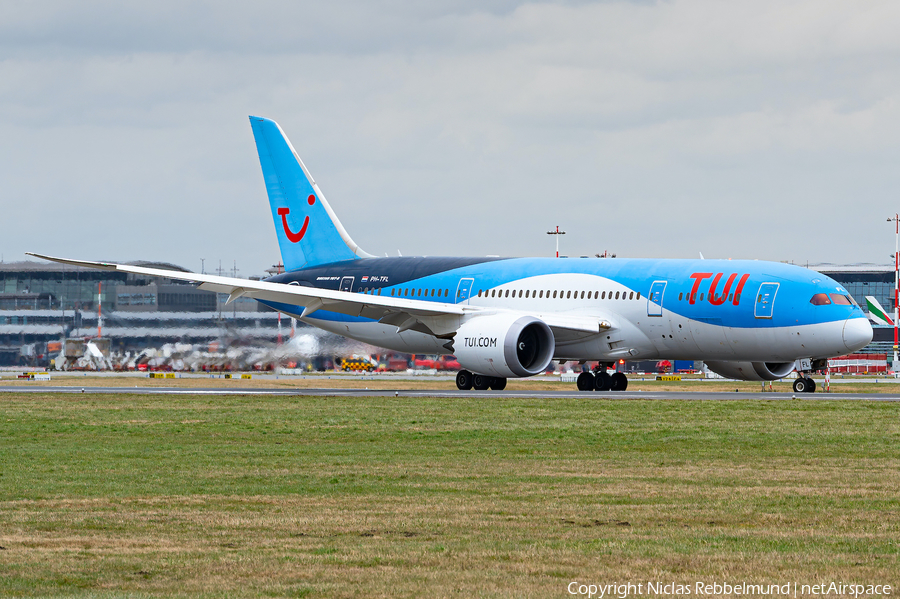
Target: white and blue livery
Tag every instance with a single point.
(511, 317)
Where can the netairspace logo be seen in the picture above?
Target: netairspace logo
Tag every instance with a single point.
(721, 589)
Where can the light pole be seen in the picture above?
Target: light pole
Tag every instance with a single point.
(557, 232)
(99, 309)
(896, 220)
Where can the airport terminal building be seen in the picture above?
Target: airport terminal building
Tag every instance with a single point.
(51, 286)
(865, 279)
(44, 302)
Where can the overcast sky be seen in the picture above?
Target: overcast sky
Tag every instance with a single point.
(758, 129)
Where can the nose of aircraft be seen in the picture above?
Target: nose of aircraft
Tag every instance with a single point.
(857, 333)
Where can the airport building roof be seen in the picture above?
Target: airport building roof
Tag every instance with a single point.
(33, 266)
(858, 267)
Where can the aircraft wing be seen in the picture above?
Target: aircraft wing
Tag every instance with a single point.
(311, 298)
(566, 326)
(401, 312)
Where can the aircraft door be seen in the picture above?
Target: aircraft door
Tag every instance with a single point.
(464, 290)
(655, 298)
(347, 284)
(765, 300)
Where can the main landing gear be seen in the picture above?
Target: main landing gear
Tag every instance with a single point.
(465, 381)
(586, 381)
(600, 380)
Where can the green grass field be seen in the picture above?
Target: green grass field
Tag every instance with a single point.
(114, 496)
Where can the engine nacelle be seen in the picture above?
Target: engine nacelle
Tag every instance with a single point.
(752, 371)
(504, 345)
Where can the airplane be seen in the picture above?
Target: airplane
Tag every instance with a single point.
(876, 313)
(512, 317)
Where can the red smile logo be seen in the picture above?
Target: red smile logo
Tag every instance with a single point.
(295, 237)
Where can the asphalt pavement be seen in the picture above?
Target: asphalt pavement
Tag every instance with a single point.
(450, 393)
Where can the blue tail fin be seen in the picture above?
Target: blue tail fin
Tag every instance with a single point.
(308, 231)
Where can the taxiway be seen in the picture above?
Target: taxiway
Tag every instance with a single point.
(452, 393)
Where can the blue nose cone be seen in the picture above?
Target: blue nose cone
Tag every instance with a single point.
(857, 333)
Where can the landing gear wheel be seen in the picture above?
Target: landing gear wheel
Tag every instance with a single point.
(464, 380)
(811, 384)
(498, 384)
(481, 382)
(602, 381)
(585, 381)
(801, 385)
(619, 382)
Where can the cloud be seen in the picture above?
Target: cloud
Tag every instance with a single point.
(744, 129)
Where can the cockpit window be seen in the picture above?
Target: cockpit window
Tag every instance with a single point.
(820, 299)
(841, 300)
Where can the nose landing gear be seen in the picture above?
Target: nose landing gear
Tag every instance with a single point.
(805, 384)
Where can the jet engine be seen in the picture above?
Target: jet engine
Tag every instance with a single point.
(504, 345)
(752, 371)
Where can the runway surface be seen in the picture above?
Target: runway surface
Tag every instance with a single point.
(450, 394)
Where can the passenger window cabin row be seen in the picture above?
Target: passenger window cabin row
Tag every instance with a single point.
(818, 299)
(527, 293)
(557, 294)
(410, 292)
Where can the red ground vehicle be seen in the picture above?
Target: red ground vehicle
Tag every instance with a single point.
(447, 363)
(393, 363)
(437, 362)
(422, 362)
